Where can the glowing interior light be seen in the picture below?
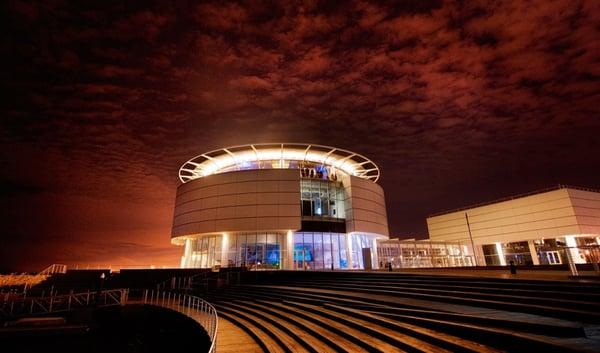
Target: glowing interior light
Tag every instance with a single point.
(278, 156)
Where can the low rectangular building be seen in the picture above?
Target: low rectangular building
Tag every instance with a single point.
(548, 227)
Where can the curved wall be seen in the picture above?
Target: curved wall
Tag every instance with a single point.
(252, 200)
(365, 207)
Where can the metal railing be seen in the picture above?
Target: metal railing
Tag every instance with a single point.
(194, 307)
(54, 269)
(59, 303)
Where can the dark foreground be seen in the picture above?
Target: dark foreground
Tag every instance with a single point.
(130, 328)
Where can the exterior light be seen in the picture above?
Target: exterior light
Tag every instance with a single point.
(246, 157)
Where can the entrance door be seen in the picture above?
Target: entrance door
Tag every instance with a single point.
(553, 257)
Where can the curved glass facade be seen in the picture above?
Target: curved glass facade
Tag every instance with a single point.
(255, 250)
(204, 252)
(267, 250)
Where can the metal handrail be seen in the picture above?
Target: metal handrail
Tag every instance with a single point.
(53, 269)
(194, 307)
(12, 306)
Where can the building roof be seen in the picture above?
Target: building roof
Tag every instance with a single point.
(513, 197)
(277, 156)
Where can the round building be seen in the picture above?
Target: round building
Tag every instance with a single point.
(279, 206)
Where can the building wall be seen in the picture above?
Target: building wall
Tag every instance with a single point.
(252, 200)
(546, 215)
(365, 207)
(586, 205)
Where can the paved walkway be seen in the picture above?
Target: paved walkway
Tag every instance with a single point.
(232, 339)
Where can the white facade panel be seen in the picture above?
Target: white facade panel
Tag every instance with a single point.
(546, 215)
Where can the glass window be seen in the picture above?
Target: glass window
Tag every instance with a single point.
(250, 247)
(308, 251)
(322, 198)
(490, 254)
(272, 252)
(327, 250)
(218, 250)
(233, 256)
(518, 252)
(319, 258)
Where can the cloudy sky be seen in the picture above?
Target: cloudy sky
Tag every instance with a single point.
(458, 102)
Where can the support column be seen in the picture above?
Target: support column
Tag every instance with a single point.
(289, 251)
(186, 259)
(534, 256)
(375, 255)
(349, 251)
(400, 258)
(574, 250)
(478, 253)
(225, 250)
(500, 253)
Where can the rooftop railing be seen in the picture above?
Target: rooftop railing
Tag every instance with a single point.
(54, 269)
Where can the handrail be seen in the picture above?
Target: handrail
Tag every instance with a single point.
(12, 306)
(194, 307)
(53, 269)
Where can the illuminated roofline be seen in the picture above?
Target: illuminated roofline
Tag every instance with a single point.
(215, 161)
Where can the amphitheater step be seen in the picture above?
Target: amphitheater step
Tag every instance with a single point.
(590, 316)
(254, 330)
(469, 293)
(499, 338)
(549, 327)
(233, 339)
(307, 332)
(287, 339)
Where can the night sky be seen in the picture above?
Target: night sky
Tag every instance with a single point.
(457, 102)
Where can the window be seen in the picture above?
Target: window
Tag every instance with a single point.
(322, 198)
